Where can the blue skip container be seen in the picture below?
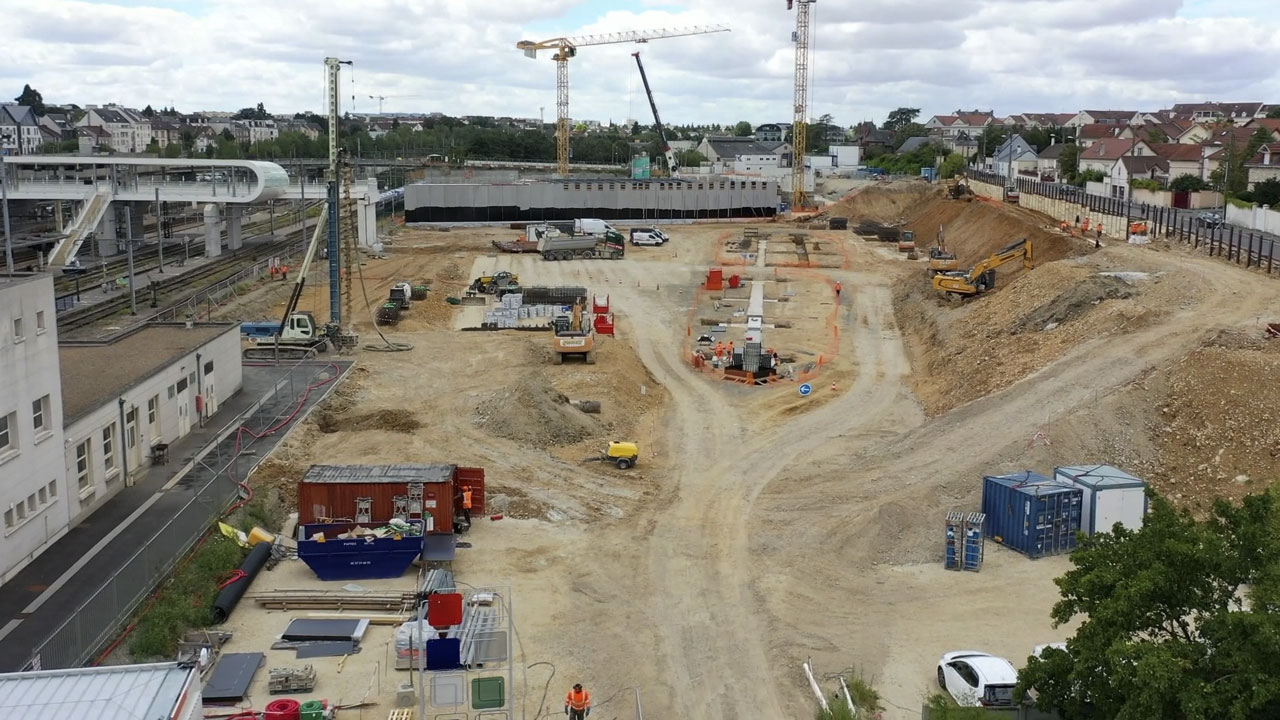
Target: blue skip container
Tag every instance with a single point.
(1031, 513)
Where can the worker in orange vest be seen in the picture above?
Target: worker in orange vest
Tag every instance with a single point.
(719, 349)
(838, 288)
(466, 504)
(577, 704)
(729, 356)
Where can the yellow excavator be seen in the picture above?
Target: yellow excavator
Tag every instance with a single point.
(572, 337)
(942, 260)
(982, 277)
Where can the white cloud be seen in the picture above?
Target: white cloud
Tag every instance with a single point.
(460, 57)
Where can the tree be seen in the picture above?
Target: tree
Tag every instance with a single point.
(227, 134)
(1267, 192)
(1088, 176)
(32, 99)
(148, 112)
(953, 165)
(742, 129)
(690, 158)
(1069, 160)
(900, 117)
(1274, 113)
(908, 131)
(1188, 183)
(1156, 135)
(172, 150)
(1179, 619)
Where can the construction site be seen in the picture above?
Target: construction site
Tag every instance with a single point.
(762, 524)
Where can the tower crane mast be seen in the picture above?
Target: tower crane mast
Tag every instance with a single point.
(672, 168)
(799, 128)
(567, 47)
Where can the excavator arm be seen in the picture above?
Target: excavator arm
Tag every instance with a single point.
(981, 277)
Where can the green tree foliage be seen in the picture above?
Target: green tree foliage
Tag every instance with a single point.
(1180, 619)
(908, 163)
(952, 166)
(991, 138)
(690, 158)
(1274, 113)
(32, 99)
(1069, 160)
(253, 113)
(61, 147)
(172, 150)
(1145, 184)
(226, 149)
(1156, 135)
(1088, 176)
(899, 118)
(742, 129)
(148, 111)
(1267, 192)
(908, 131)
(1189, 183)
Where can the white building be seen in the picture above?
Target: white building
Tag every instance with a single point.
(749, 164)
(162, 691)
(139, 389)
(32, 483)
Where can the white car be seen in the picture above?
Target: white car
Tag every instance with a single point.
(976, 679)
(648, 236)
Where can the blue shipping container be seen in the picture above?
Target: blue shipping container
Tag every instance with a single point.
(1031, 513)
(363, 558)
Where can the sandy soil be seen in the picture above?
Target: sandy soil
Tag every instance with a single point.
(761, 528)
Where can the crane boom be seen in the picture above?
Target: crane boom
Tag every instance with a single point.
(567, 47)
(672, 168)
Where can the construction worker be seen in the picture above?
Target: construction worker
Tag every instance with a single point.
(729, 355)
(719, 349)
(466, 504)
(838, 288)
(577, 704)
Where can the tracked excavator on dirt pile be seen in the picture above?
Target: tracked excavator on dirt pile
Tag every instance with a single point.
(982, 277)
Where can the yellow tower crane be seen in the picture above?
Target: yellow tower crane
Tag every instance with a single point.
(799, 129)
(567, 47)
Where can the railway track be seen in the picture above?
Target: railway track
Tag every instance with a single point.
(172, 289)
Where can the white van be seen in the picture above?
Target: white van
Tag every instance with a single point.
(648, 236)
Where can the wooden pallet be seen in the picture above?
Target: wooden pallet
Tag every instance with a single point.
(401, 714)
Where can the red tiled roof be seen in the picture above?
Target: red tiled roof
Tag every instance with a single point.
(1229, 135)
(1108, 149)
(1262, 155)
(1177, 152)
(1098, 131)
(946, 119)
(976, 119)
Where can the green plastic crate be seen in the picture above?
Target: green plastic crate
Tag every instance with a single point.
(488, 693)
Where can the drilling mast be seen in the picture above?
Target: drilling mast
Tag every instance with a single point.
(332, 66)
(673, 168)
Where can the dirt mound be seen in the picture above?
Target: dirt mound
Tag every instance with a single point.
(401, 421)
(1219, 424)
(994, 340)
(532, 412)
(882, 204)
(280, 477)
(1073, 302)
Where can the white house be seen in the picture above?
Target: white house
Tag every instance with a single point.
(142, 388)
(19, 130)
(1014, 156)
(1265, 165)
(1105, 117)
(120, 131)
(754, 164)
(33, 492)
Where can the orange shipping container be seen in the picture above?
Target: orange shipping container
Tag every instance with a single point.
(378, 493)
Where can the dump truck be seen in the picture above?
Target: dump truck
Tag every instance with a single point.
(571, 335)
(579, 239)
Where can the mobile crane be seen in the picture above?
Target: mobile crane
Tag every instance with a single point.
(673, 168)
(982, 277)
(298, 333)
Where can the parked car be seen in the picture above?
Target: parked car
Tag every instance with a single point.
(648, 236)
(976, 679)
(1209, 219)
(1011, 194)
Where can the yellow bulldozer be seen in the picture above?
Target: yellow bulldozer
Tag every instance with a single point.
(982, 277)
(572, 336)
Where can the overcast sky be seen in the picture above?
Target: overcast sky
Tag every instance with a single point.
(458, 56)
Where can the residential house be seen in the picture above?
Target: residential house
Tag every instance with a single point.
(1048, 162)
(19, 130)
(778, 148)
(772, 132)
(1134, 167)
(870, 138)
(1265, 165)
(1233, 137)
(1013, 157)
(164, 132)
(1039, 120)
(1183, 159)
(949, 127)
(1105, 117)
(261, 130)
(92, 137)
(1272, 124)
(963, 144)
(56, 127)
(310, 129)
(203, 136)
(1087, 135)
(1208, 112)
(214, 121)
(726, 149)
(1193, 135)
(119, 129)
(1103, 154)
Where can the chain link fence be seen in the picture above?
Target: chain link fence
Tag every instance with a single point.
(212, 482)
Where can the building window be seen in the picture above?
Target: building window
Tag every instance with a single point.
(22, 511)
(208, 367)
(191, 379)
(131, 428)
(44, 496)
(40, 322)
(171, 393)
(40, 414)
(17, 329)
(109, 448)
(153, 411)
(8, 519)
(31, 503)
(8, 433)
(53, 488)
(82, 465)
(182, 385)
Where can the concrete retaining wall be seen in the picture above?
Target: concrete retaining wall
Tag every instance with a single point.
(1112, 225)
(607, 199)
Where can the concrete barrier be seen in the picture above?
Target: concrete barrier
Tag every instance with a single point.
(1114, 226)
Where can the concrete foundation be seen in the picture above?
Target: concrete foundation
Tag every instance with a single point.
(106, 236)
(607, 199)
(235, 226)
